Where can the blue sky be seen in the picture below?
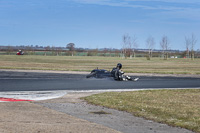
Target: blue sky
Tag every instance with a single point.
(98, 23)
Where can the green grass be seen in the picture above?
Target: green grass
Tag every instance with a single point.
(85, 63)
(174, 107)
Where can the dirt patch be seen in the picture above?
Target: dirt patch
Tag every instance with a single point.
(23, 117)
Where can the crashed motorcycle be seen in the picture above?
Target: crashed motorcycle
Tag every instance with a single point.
(117, 75)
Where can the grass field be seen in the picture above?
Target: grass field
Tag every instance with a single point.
(85, 63)
(174, 107)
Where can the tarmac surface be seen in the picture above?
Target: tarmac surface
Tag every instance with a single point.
(69, 114)
(45, 81)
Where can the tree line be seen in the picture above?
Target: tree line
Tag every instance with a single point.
(129, 48)
(130, 44)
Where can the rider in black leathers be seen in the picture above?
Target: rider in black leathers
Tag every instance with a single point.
(118, 74)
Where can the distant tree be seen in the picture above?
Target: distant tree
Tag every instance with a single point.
(46, 49)
(190, 43)
(129, 51)
(134, 44)
(95, 51)
(150, 43)
(187, 45)
(125, 44)
(129, 44)
(105, 51)
(58, 51)
(193, 43)
(164, 44)
(71, 47)
(198, 53)
(53, 50)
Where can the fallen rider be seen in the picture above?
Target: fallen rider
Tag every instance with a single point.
(118, 74)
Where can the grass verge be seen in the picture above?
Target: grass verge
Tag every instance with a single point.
(174, 107)
(87, 63)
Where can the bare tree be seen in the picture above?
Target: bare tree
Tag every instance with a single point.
(187, 44)
(58, 51)
(134, 44)
(71, 47)
(129, 48)
(125, 43)
(129, 45)
(105, 51)
(198, 53)
(53, 50)
(164, 44)
(193, 43)
(150, 43)
(190, 43)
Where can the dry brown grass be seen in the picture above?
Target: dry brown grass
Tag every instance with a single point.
(85, 63)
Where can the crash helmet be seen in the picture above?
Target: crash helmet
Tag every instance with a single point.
(119, 65)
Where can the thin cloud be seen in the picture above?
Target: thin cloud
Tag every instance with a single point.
(171, 1)
(146, 4)
(172, 8)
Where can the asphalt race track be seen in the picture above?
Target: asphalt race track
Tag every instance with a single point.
(33, 81)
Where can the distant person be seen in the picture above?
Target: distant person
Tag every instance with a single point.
(20, 52)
